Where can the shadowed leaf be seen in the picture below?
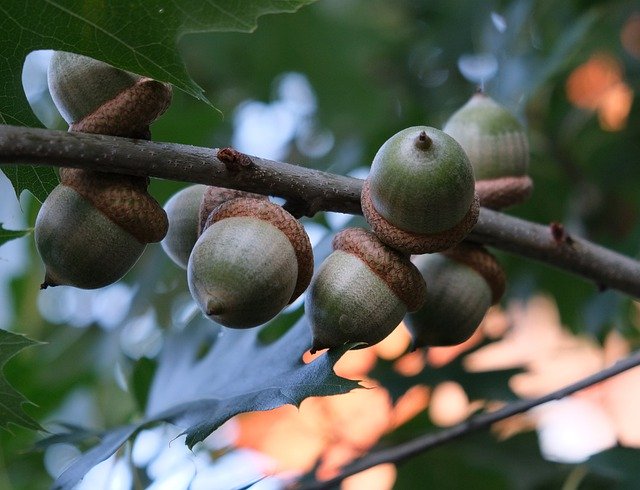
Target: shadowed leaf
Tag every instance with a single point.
(11, 401)
(206, 376)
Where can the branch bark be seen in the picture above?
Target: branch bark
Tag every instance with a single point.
(426, 442)
(309, 190)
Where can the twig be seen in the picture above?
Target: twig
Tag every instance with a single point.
(33, 146)
(421, 444)
(601, 265)
(310, 190)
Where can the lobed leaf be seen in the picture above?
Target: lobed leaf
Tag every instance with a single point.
(206, 376)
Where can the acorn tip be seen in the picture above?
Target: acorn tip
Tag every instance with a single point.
(423, 142)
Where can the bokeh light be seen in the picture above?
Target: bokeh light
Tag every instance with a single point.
(598, 85)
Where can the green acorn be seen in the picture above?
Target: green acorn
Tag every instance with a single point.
(463, 282)
(183, 212)
(95, 97)
(94, 226)
(361, 291)
(188, 211)
(419, 196)
(498, 148)
(251, 260)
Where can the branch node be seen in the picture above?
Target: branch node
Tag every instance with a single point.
(559, 234)
(233, 159)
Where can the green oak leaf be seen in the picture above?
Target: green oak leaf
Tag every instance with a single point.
(136, 35)
(7, 235)
(40, 181)
(11, 401)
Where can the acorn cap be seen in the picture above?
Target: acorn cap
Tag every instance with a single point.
(416, 243)
(503, 192)
(95, 97)
(394, 268)
(123, 199)
(214, 196)
(482, 261)
(281, 219)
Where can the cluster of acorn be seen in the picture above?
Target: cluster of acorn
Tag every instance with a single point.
(247, 258)
(419, 198)
(94, 226)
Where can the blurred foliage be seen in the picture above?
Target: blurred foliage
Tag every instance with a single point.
(11, 412)
(375, 67)
(6, 235)
(492, 385)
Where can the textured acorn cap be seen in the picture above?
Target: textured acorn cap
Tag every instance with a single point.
(503, 192)
(94, 97)
(395, 269)
(123, 199)
(416, 243)
(281, 219)
(493, 139)
(214, 196)
(482, 261)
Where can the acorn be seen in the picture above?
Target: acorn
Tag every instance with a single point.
(183, 213)
(251, 260)
(497, 146)
(188, 211)
(94, 226)
(463, 282)
(361, 291)
(419, 196)
(95, 97)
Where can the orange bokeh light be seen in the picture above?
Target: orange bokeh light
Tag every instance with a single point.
(411, 364)
(395, 344)
(355, 364)
(381, 477)
(598, 85)
(449, 404)
(440, 356)
(409, 405)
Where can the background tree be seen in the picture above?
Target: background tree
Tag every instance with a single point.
(323, 88)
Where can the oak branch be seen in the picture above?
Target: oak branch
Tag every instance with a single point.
(307, 191)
